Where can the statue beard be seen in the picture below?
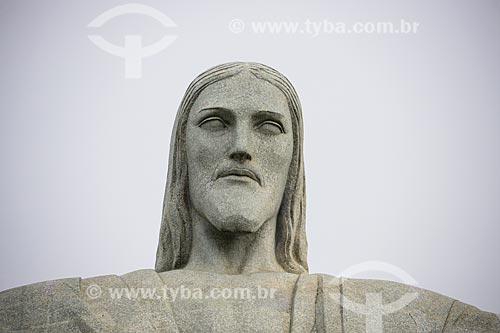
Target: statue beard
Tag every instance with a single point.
(236, 224)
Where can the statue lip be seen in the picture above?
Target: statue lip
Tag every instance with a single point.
(242, 172)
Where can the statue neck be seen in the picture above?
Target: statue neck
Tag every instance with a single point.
(232, 253)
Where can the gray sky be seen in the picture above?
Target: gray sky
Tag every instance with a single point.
(402, 133)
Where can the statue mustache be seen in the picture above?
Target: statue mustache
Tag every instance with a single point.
(240, 171)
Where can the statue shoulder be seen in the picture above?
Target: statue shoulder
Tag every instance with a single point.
(39, 305)
(398, 307)
(107, 303)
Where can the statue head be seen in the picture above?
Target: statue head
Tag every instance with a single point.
(236, 160)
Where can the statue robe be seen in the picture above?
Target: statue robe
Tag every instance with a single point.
(318, 303)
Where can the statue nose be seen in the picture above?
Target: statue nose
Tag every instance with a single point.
(241, 145)
(240, 156)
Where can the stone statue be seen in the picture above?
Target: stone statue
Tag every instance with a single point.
(232, 250)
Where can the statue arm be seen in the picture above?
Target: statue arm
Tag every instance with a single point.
(50, 306)
(467, 318)
(67, 305)
(352, 304)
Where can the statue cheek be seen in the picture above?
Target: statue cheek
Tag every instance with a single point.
(204, 155)
(277, 156)
(200, 147)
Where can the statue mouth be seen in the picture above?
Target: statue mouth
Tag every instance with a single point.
(240, 172)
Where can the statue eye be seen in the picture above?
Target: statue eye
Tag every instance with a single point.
(212, 124)
(270, 127)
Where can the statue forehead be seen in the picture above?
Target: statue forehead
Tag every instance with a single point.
(243, 91)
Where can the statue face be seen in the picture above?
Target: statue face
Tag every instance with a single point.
(239, 145)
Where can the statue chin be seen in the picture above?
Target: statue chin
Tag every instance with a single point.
(236, 224)
(236, 213)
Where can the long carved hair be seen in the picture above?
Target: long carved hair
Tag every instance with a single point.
(174, 245)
